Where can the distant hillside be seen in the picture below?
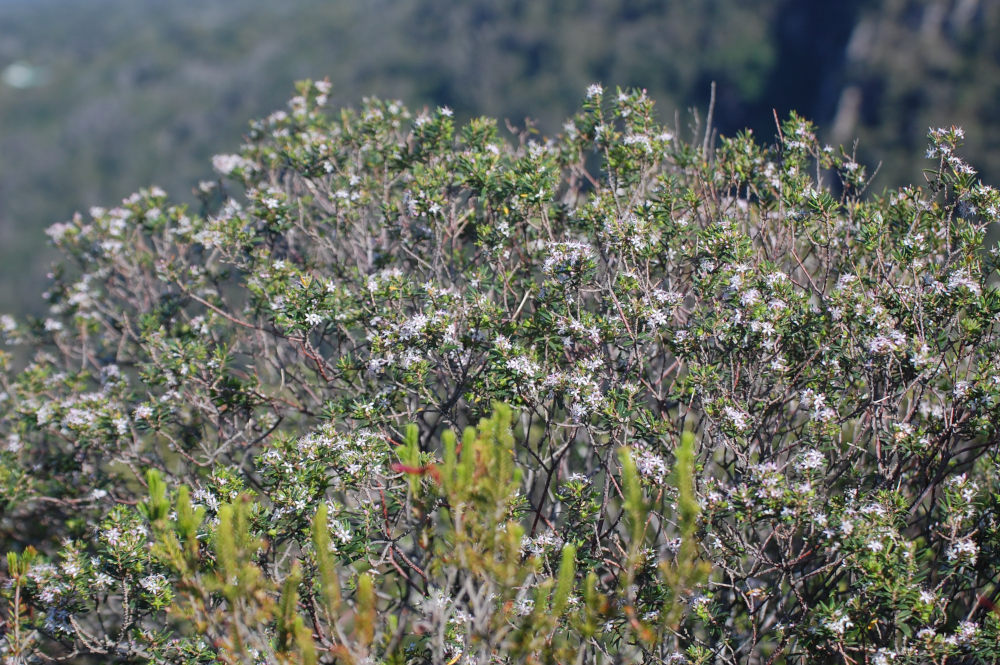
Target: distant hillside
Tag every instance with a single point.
(109, 95)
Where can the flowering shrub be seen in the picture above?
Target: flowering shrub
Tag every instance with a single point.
(401, 392)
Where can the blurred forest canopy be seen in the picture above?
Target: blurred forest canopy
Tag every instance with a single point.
(100, 97)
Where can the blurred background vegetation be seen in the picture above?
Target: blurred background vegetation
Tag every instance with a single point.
(100, 97)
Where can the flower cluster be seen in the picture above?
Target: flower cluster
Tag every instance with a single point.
(755, 415)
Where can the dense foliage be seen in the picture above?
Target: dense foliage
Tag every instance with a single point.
(130, 92)
(401, 392)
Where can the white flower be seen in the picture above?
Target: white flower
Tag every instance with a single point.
(104, 581)
(750, 297)
(667, 297)
(207, 498)
(541, 543)
(314, 319)
(49, 594)
(810, 460)
(651, 465)
(522, 365)
(657, 318)
(153, 583)
(376, 365)
(921, 357)
(883, 656)
(961, 549)
(700, 602)
(578, 412)
(776, 277)
(825, 414)
(113, 536)
(341, 531)
(817, 401)
(640, 140)
(594, 90)
(736, 418)
(838, 623)
(226, 164)
(845, 280)
(960, 279)
(873, 509)
(565, 256)
(502, 343)
(58, 231)
(71, 568)
(413, 327)
(966, 632)
(435, 603)
(880, 345)
(410, 358)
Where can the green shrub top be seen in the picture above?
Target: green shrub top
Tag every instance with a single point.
(401, 392)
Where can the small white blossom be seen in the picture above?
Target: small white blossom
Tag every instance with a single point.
(963, 549)
(880, 345)
(750, 297)
(960, 279)
(736, 418)
(522, 365)
(838, 623)
(651, 465)
(883, 657)
(226, 164)
(966, 632)
(502, 343)
(811, 460)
